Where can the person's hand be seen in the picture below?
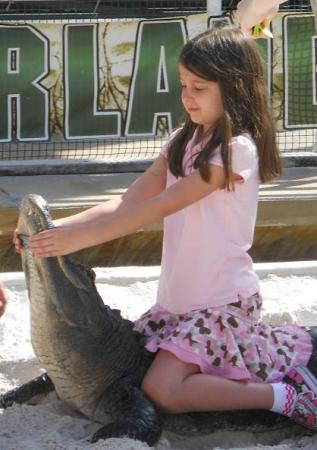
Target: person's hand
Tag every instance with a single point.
(17, 241)
(18, 244)
(57, 241)
(3, 299)
(262, 30)
(249, 17)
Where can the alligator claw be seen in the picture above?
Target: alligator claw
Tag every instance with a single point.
(128, 428)
(142, 423)
(24, 393)
(2, 402)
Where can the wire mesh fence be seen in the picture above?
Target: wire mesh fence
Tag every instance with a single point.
(99, 8)
(47, 9)
(297, 127)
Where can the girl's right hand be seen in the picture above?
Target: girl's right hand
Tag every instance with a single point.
(58, 241)
(17, 241)
(18, 244)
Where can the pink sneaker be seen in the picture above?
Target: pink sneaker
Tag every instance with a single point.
(302, 379)
(305, 411)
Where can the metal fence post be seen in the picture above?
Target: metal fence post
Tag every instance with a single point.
(214, 7)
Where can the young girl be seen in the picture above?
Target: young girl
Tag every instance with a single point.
(204, 326)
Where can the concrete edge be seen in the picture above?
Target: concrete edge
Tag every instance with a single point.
(133, 274)
(70, 167)
(94, 166)
(284, 269)
(299, 159)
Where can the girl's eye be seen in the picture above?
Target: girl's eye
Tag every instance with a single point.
(193, 88)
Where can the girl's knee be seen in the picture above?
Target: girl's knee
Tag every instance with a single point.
(162, 383)
(160, 393)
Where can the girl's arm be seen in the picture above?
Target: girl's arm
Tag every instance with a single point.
(149, 184)
(252, 12)
(73, 230)
(128, 220)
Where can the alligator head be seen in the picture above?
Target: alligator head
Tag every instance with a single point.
(64, 284)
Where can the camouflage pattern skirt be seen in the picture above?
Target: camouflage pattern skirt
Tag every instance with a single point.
(229, 341)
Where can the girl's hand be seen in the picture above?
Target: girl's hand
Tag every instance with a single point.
(3, 300)
(18, 244)
(17, 241)
(57, 241)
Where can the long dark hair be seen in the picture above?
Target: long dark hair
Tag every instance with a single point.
(226, 56)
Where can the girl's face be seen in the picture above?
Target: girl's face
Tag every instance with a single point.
(201, 99)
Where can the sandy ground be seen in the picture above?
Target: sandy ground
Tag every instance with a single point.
(51, 425)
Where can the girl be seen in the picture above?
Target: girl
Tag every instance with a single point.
(205, 326)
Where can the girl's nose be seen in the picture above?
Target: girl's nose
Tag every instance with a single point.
(185, 93)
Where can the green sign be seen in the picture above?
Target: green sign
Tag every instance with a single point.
(83, 117)
(111, 79)
(23, 100)
(300, 72)
(155, 80)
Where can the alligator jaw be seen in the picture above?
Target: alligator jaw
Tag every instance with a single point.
(34, 215)
(66, 285)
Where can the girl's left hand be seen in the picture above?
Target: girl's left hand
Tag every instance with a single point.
(57, 241)
(3, 299)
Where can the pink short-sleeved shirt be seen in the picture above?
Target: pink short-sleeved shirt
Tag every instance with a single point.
(205, 260)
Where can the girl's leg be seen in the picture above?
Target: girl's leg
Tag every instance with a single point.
(176, 387)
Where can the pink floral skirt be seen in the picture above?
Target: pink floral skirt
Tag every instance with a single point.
(229, 341)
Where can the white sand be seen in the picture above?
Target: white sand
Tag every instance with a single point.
(51, 425)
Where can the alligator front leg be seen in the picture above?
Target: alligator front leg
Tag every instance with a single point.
(142, 422)
(24, 393)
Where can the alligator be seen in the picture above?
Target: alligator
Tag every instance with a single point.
(92, 356)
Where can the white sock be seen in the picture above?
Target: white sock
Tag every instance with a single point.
(284, 398)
